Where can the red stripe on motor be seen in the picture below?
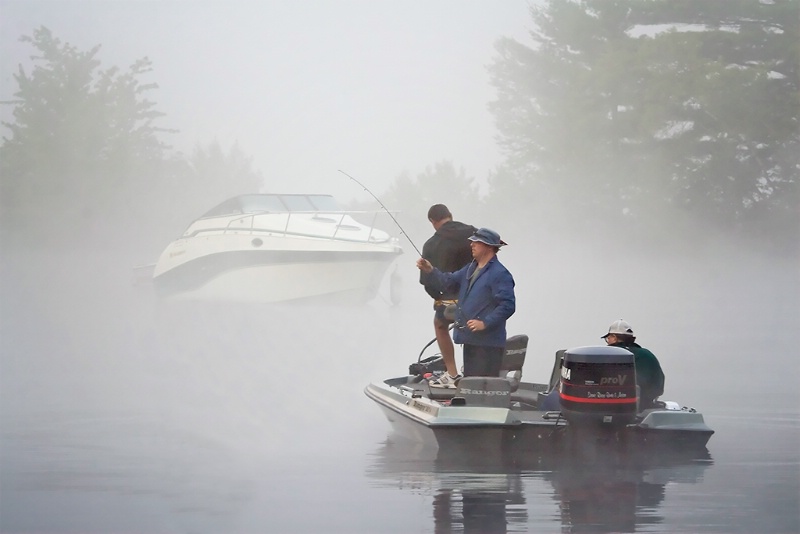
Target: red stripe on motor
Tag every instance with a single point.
(598, 401)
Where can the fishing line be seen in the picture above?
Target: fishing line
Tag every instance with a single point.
(384, 209)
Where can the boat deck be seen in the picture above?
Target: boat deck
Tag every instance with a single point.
(501, 419)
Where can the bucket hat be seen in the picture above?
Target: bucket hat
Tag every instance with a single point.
(487, 236)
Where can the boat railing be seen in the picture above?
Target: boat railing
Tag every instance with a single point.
(238, 224)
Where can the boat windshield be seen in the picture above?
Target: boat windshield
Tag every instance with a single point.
(283, 203)
(259, 203)
(274, 204)
(323, 202)
(308, 203)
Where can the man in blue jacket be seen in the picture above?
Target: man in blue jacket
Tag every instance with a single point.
(485, 302)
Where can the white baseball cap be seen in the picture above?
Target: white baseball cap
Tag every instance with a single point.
(619, 326)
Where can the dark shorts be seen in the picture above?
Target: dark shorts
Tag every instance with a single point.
(482, 361)
(438, 313)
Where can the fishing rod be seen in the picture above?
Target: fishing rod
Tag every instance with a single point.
(384, 209)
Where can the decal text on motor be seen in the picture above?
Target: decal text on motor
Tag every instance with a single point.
(606, 395)
(618, 380)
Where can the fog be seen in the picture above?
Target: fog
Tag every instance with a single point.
(375, 88)
(718, 319)
(106, 389)
(120, 409)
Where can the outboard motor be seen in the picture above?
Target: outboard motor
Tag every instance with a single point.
(598, 386)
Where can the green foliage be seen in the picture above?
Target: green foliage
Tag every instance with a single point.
(216, 175)
(409, 199)
(84, 159)
(80, 136)
(441, 183)
(622, 124)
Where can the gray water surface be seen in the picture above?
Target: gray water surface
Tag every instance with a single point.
(122, 414)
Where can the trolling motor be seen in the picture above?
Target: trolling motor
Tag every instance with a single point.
(433, 363)
(430, 364)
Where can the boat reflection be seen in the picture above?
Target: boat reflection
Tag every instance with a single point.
(555, 493)
(617, 498)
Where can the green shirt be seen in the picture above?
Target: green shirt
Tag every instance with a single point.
(649, 376)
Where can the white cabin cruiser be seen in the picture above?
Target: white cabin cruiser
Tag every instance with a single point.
(596, 404)
(274, 248)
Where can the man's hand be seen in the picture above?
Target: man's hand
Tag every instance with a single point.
(475, 325)
(424, 265)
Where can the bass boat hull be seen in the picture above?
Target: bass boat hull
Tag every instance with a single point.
(502, 414)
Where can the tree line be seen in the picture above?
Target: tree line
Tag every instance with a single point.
(648, 112)
(86, 160)
(649, 115)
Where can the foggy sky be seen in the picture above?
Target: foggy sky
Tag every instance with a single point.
(375, 88)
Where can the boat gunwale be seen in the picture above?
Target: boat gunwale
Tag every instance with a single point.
(238, 217)
(391, 387)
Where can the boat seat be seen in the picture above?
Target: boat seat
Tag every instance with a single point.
(510, 370)
(440, 394)
(548, 400)
(484, 391)
(555, 376)
(513, 360)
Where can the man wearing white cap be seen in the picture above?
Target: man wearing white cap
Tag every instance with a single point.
(649, 376)
(485, 302)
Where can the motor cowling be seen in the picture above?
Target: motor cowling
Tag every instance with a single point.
(598, 386)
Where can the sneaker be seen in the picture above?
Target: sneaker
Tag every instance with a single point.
(444, 381)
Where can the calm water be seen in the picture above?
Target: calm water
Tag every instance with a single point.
(121, 415)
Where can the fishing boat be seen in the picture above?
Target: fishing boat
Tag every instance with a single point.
(263, 248)
(596, 404)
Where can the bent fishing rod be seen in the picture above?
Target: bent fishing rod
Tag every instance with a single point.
(384, 209)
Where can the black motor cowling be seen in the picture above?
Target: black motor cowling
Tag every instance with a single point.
(598, 386)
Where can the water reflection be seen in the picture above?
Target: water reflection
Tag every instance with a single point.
(617, 498)
(487, 503)
(476, 493)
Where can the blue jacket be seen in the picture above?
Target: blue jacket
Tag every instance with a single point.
(491, 299)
